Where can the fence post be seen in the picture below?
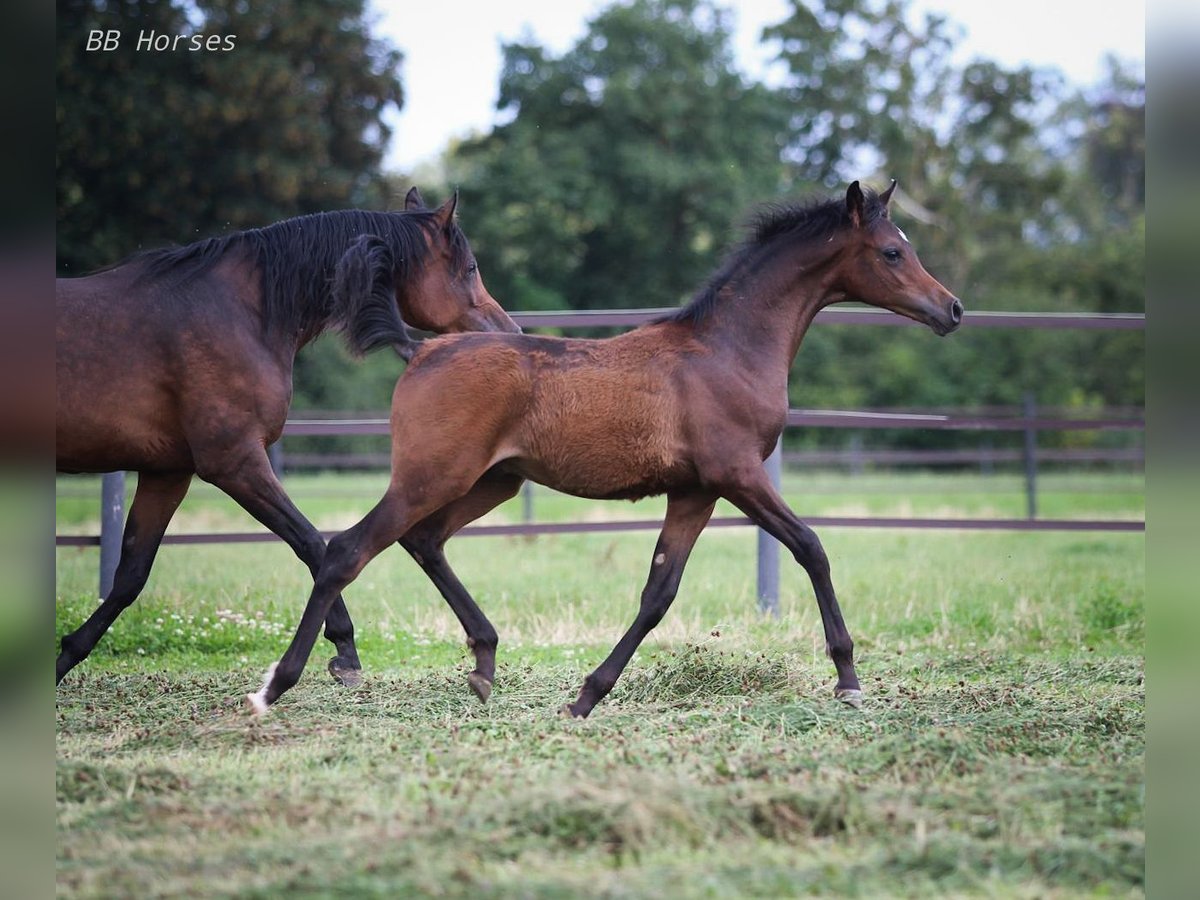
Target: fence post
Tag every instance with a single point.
(275, 457)
(768, 547)
(112, 522)
(856, 453)
(527, 502)
(1030, 408)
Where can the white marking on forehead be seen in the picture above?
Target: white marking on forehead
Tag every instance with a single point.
(903, 235)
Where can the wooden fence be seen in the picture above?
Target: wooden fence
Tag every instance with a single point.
(1029, 423)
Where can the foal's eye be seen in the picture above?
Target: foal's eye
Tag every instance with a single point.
(893, 255)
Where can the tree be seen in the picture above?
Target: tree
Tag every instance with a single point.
(157, 147)
(624, 163)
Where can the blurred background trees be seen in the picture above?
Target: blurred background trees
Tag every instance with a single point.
(623, 167)
(155, 148)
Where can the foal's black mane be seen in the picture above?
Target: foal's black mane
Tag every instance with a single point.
(798, 222)
(296, 259)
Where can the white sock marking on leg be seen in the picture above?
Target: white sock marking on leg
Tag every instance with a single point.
(258, 700)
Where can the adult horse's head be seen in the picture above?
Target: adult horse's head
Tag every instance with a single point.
(413, 268)
(880, 266)
(448, 294)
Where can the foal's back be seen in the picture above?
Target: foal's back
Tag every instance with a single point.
(595, 418)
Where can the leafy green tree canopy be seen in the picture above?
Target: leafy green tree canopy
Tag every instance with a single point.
(624, 162)
(157, 147)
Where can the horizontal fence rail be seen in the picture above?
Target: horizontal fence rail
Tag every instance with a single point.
(812, 418)
(614, 318)
(1028, 422)
(981, 456)
(531, 529)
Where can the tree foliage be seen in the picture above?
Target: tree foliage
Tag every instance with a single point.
(625, 162)
(623, 167)
(157, 147)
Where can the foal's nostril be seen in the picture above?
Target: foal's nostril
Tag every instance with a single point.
(956, 312)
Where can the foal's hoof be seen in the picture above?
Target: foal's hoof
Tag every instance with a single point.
(850, 696)
(480, 686)
(343, 674)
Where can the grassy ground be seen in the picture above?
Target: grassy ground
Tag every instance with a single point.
(1000, 751)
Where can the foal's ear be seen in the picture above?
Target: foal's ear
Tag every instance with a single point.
(886, 196)
(444, 214)
(413, 199)
(854, 204)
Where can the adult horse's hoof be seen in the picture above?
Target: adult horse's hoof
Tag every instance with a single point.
(851, 696)
(480, 686)
(344, 674)
(567, 712)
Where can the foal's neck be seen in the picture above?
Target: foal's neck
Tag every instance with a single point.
(769, 302)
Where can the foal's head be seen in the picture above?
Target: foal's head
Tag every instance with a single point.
(880, 267)
(447, 295)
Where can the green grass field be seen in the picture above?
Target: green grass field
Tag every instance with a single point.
(1000, 750)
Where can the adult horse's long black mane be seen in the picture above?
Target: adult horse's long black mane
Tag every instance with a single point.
(801, 221)
(308, 282)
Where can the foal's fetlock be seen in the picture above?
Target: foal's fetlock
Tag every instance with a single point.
(257, 702)
(345, 673)
(480, 681)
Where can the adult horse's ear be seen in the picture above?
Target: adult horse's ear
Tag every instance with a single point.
(886, 196)
(854, 204)
(413, 199)
(444, 214)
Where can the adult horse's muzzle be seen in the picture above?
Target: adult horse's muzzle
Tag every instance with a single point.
(948, 318)
(490, 317)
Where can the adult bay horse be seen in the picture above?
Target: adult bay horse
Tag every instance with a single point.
(688, 406)
(179, 362)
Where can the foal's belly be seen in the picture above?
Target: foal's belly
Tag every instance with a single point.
(624, 448)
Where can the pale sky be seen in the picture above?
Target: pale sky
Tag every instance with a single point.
(451, 69)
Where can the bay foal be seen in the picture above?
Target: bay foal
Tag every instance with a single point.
(688, 406)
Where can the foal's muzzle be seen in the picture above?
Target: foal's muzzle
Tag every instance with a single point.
(949, 318)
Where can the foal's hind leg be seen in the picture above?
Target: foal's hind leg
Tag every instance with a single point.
(754, 494)
(425, 540)
(155, 501)
(687, 514)
(256, 489)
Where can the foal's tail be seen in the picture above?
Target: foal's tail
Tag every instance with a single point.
(364, 299)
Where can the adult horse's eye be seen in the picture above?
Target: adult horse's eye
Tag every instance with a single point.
(893, 255)
(472, 268)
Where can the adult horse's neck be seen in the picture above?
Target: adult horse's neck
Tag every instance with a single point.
(767, 303)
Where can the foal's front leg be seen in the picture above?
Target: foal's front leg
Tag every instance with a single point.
(687, 514)
(753, 493)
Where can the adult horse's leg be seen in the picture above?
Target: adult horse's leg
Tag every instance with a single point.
(345, 557)
(754, 494)
(425, 540)
(154, 502)
(687, 514)
(254, 486)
